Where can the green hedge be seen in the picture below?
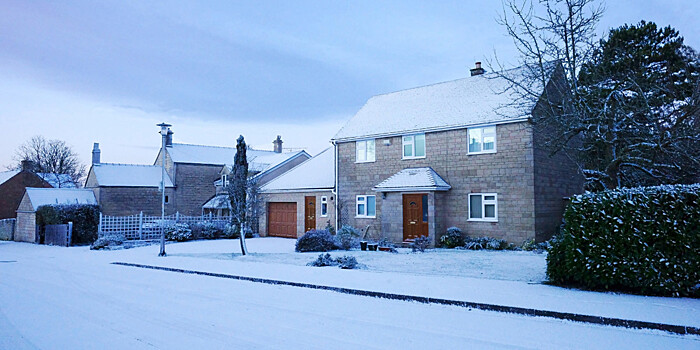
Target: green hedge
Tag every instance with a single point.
(641, 240)
(85, 220)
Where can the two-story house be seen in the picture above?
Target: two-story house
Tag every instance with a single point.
(458, 153)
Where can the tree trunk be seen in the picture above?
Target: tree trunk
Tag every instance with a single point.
(244, 250)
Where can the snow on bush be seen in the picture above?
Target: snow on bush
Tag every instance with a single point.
(178, 232)
(316, 241)
(641, 240)
(347, 238)
(344, 262)
(110, 240)
(452, 239)
(205, 230)
(420, 244)
(479, 243)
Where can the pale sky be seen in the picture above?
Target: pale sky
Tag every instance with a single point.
(109, 71)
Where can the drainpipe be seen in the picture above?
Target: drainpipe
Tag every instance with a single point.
(335, 188)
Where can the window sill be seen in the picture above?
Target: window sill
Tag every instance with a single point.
(365, 161)
(410, 158)
(483, 220)
(323, 216)
(364, 217)
(475, 153)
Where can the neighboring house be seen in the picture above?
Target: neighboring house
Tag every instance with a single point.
(12, 186)
(58, 180)
(458, 153)
(128, 189)
(301, 199)
(33, 198)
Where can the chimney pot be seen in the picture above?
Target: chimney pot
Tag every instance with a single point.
(96, 153)
(278, 144)
(478, 70)
(169, 138)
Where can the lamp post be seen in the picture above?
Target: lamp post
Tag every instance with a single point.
(164, 127)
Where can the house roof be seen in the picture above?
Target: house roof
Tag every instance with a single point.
(475, 100)
(199, 154)
(314, 174)
(413, 179)
(58, 180)
(49, 196)
(6, 175)
(220, 201)
(129, 175)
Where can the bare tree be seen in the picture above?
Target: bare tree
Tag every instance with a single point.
(52, 158)
(255, 204)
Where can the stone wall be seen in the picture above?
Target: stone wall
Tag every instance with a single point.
(194, 186)
(124, 201)
(298, 197)
(25, 229)
(12, 190)
(7, 229)
(508, 172)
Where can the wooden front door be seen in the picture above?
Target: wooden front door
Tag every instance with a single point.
(415, 215)
(282, 219)
(309, 213)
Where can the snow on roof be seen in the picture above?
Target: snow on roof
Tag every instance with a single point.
(6, 175)
(480, 99)
(49, 196)
(58, 180)
(129, 175)
(423, 179)
(258, 160)
(315, 173)
(220, 201)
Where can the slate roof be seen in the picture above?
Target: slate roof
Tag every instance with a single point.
(48, 196)
(129, 175)
(475, 100)
(64, 180)
(6, 175)
(220, 201)
(314, 174)
(199, 154)
(413, 179)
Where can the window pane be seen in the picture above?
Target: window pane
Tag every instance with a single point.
(420, 145)
(475, 206)
(370, 150)
(407, 139)
(489, 143)
(360, 147)
(490, 211)
(360, 209)
(474, 140)
(425, 208)
(324, 209)
(371, 206)
(489, 198)
(408, 150)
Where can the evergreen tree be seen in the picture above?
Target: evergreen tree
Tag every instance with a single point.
(640, 94)
(238, 190)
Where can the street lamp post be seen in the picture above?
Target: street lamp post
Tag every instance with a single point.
(164, 128)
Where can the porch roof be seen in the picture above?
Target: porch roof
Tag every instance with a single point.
(413, 179)
(220, 201)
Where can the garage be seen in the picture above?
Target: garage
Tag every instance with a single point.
(282, 219)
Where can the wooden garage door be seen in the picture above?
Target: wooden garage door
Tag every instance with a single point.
(282, 219)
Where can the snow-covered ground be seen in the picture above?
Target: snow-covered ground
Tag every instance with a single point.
(61, 298)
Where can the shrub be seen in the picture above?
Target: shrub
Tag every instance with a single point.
(178, 232)
(316, 241)
(642, 240)
(420, 244)
(330, 227)
(479, 243)
(205, 230)
(344, 262)
(530, 245)
(105, 241)
(232, 231)
(85, 218)
(347, 238)
(452, 239)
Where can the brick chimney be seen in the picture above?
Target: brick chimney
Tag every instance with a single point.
(169, 138)
(96, 153)
(478, 70)
(278, 144)
(27, 165)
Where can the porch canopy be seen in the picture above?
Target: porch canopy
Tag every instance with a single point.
(219, 201)
(412, 180)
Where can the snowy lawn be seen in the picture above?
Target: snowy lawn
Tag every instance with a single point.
(501, 265)
(73, 298)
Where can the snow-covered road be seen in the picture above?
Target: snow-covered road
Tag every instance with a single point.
(59, 298)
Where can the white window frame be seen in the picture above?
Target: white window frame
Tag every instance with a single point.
(481, 139)
(324, 201)
(484, 203)
(362, 199)
(364, 144)
(412, 142)
(224, 181)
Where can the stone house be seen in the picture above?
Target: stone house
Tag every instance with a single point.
(301, 199)
(13, 184)
(33, 198)
(458, 153)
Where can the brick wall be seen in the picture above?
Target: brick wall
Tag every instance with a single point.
(298, 197)
(508, 172)
(123, 201)
(12, 190)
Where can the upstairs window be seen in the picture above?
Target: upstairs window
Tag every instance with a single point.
(413, 146)
(224, 181)
(324, 206)
(364, 151)
(483, 207)
(366, 206)
(482, 140)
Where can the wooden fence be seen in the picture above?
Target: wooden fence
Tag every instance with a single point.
(7, 229)
(148, 227)
(59, 235)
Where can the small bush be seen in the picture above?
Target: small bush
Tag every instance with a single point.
(316, 241)
(347, 238)
(232, 231)
(330, 227)
(111, 240)
(205, 230)
(529, 245)
(643, 240)
(479, 243)
(452, 239)
(420, 244)
(178, 232)
(384, 242)
(344, 262)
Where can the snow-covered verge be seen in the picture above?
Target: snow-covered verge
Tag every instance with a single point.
(53, 297)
